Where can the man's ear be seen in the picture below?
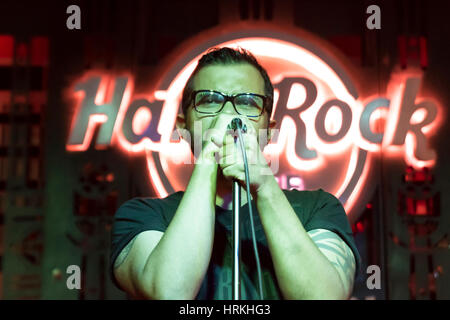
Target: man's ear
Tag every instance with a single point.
(181, 121)
(181, 130)
(271, 129)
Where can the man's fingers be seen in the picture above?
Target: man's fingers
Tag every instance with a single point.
(216, 141)
(234, 172)
(234, 148)
(228, 139)
(230, 159)
(250, 141)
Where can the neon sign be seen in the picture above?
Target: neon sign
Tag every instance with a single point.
(329, 136)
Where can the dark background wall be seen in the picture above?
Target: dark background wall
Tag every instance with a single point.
(56, 207)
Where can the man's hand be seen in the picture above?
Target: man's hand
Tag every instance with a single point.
(231, 161)
(212, 140)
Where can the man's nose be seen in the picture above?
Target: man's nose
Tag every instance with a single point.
(228, 108)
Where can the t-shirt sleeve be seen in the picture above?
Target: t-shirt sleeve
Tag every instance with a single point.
(328, 213)
(133, 217)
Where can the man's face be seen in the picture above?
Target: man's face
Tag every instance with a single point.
(228, 79)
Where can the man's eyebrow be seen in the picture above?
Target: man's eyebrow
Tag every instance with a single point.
(241, 92)
(231, 93)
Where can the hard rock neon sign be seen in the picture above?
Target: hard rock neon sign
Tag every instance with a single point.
(329, 136)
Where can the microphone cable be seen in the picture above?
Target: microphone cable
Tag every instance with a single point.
(237, 124)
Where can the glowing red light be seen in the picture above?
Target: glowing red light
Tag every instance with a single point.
(6, 50)
(421, 207)
(360, 227)
(334, 140)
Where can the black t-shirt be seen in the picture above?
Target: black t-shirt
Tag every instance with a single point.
(315, 209)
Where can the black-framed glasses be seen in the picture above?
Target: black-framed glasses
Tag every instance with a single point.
(212, 102)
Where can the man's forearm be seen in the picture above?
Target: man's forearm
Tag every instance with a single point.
(176, 267)
(303, 272)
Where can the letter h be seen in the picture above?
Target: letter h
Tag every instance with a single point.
(89, 113)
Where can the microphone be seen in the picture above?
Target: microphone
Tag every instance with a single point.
(238, 128)
(236, 124)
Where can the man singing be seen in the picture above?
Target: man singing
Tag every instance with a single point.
(180, 247)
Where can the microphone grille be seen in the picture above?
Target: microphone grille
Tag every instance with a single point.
(236, 123)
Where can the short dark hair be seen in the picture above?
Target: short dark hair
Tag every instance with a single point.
(227, 56)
